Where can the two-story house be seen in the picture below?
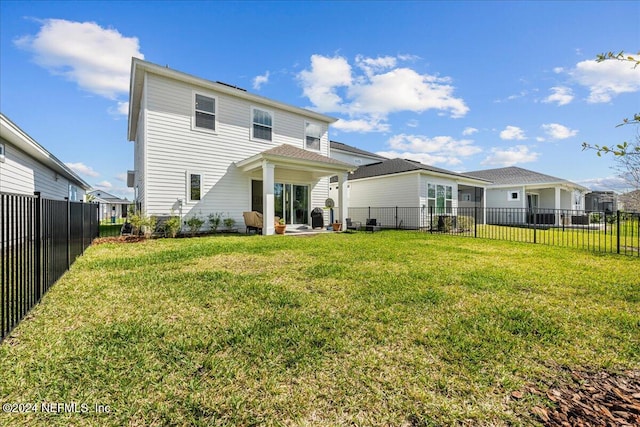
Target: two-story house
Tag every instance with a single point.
(204, 147)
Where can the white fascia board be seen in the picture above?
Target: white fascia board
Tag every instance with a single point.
(16, 136)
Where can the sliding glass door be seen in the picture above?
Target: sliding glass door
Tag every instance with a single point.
(291, 201)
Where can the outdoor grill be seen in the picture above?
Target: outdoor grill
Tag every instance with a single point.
(317, 218)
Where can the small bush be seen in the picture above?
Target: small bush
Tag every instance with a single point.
(194, 223)
(214, 221)
(172, 226)
(594, 217)
(142, 224)
(229, 222)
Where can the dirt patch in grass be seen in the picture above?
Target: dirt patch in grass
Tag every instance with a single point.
(590, 399)
(118, 239)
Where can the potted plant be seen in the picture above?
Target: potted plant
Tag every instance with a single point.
(337, 225)
(281, 226)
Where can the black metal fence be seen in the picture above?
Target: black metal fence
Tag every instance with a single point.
(39, 240)
(612, 232)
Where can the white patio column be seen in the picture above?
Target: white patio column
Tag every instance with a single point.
(268, 204)
(557, 205)
(343, 201)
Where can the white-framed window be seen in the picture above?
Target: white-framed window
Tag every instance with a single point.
(261, 124)
(513, 195)
(73, 193)
(194, 186)
(440, 197)
(1, 152)
(312, 135)
(204, 112)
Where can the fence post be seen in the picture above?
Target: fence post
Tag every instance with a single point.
(396, 217)
(68, 232)
(431, 219)
(535, 225)
(475, 221)
(618, 227)
(38, 244)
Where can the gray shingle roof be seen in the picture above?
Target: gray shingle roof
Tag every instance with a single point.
(335, 145)
(393, 166)
(289, 151)
(517, 176)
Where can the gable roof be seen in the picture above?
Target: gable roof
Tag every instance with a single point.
(108, 197)
(335, 145)
(514, 175)
(139, 67)
(394, 166)
(290, 156)
(16, 136)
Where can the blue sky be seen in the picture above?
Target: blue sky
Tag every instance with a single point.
(459, 85)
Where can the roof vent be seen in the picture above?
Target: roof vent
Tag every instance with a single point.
(230, 85)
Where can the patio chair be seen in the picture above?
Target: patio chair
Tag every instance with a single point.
(353, 225)
(372, 225)
(252, 221)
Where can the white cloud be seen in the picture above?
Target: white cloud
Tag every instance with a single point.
(608, 183)
(510, 156)
(361, 125)
(561, 94)
(258, 81)
(469, 131)
(375, 88)
(439, 149)
(511, 133)
(122, 177)
(97, 59)
(103, 185)
(82, 169)
(557, 131)
(607, 79)
(413, 123)
(321, 82)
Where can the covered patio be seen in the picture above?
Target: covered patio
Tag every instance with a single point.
(288, 182)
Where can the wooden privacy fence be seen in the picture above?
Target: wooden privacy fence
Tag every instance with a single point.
(39, 240)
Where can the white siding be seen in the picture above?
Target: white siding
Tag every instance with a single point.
(385, 191)
(22, 174)
(171, 149)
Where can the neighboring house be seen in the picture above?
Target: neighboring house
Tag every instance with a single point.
(353, 155)
(112, 208)
(27, 167)
(204, 147)
(601, 201)
(410, 184)
(526, 192)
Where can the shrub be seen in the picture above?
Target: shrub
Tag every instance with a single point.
(214, 221)
(594, 217)
(172, 226)
(142, 224)
(194, 223)
(229, 222)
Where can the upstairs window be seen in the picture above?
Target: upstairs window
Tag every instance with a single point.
(262, 124)
(313, 133)
(204, 112)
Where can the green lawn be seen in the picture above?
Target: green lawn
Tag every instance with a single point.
(389, 328)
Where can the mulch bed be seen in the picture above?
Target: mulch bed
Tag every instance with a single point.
(590, 399)
(118, 239)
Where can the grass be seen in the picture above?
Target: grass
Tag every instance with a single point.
(390, 328)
